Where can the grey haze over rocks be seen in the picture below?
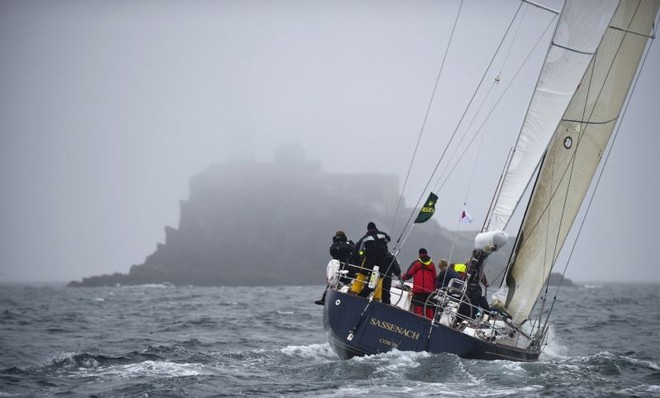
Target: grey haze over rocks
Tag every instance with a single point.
(271, 223)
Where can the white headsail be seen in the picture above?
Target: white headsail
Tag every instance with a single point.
(575, 151)
(579, 30)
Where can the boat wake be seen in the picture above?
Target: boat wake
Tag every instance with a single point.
(312, 351)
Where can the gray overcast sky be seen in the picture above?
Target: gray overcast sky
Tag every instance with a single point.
(108, 107)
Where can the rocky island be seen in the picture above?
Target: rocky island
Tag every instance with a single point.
(252, 223)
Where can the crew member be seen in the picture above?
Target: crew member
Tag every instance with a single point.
(460, 269)
(341, 249)
(373, 246)
(424, 276)
(446, 274)
(473, 291)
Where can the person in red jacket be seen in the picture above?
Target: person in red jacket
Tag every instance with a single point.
(424, 274)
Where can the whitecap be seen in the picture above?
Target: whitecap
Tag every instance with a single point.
(396, 361)
(310, 351)
(396, 355)
(157, 285)
(154, 369)
(61, 357)
(642, 362)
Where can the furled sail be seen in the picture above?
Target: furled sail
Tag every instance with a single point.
(575, 151)
(579, 30)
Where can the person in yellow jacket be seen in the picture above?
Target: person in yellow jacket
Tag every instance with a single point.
(461, 269)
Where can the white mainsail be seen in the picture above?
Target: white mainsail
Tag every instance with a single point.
(575, 151)
(579, 30)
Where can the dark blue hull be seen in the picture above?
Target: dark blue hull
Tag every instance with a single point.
(354, 331)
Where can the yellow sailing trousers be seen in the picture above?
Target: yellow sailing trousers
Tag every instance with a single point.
(358, 285)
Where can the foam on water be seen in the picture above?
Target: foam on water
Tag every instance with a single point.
(159, 369)
(312, 351)
(405, 356)
(395, 361)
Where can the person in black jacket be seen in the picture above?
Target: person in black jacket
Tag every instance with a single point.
(342, 250)
(373, 247)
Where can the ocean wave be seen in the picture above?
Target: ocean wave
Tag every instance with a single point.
(395, 362)
(149, 286)
(314, 351)
(158, 369)
(72, 360)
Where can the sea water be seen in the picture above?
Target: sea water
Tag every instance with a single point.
(160, 341)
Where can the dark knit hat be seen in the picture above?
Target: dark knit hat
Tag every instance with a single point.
(371, 225)
(340, 233)
(423, 252)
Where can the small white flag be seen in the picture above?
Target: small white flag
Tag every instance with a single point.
(466, 218)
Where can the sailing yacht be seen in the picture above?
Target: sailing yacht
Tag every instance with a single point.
(588, 73)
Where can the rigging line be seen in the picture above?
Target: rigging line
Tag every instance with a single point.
(419, 200)
(474, 169)
(460, 142)
(506, 89)
(426, 116)
(488, 94)
(602, 169)
(497, 190)
(398, 248)
(495, 82)
(472, 173)
(515, 36)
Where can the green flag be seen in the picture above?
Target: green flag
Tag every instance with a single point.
(427, 210)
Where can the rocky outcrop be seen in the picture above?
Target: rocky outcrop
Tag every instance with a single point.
(271, 223)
